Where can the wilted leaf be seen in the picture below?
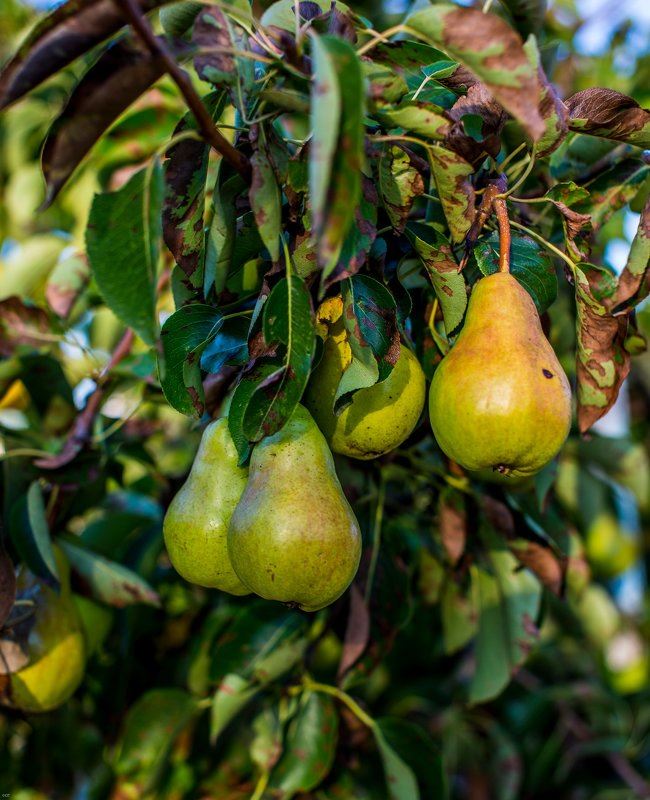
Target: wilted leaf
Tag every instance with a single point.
(610, 114)
(450, 173)
(602, 362)
(474, 39)
(479, 120)
(336, 146)
(452, 521)
(30, 534)
(123, 241)
(399, 185)
(438, 258)
(309, 746)
(151, 727)
(109, 87)
(633, 285)
(529, 263)
(551, 108)
(287, 321)
(108, 581)
(21, 325)
(184, 336)
(357, 631)
(185, 172)
(72, 29)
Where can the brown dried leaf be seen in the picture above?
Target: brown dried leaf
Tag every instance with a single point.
(634, 281)
(357, 632)
(480, 102)
(21, 324)
(542, 561)
(452, 520)
(610, 114)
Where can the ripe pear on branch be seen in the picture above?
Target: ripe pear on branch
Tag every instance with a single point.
(196, 523)
(499, 399)
(380, 417)
(293, 536)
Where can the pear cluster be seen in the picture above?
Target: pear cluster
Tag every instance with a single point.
(282, 528)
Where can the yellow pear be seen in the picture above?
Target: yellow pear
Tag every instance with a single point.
(51, 640)
(609, 550)
(197, 519)
(500, 399)
(380, 417)
(293, 536)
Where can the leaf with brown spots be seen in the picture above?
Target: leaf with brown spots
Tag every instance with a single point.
(448, 283)
(450, 174)
(612, 189)
(634, 281)
(264, 193)
(477, 103)
(21, 325)
(489, 47)
(602, 362)
(610, 114)
(399, 185)
(551, 108)
(72, 29)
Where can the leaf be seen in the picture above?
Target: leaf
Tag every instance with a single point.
(30, 534)
(66, 282)
(529, 263)
(486, 45)
(21, 325)
(176, 19)
(418, 752)
(610, 114)
(422, 118)
(448, 283)
(232, 696)
(551, 108)
(183, 337)
(287, 321)
(357, 631)
(507, 600)
(400, 184)
(123, 240)
(110, 86)
(151, 727)
(229, 346)
(185, 173)
(452, 521)
(602, 362)
(633, 285)
(222, 234)
(527, 15)
(309, 746)
(248, 384)
(450, 173)
(613, 189)
(72, 29)
(459, 620)
(336, 146)
(264, 194)
(7, 586)
(110, 582)
(400, 778)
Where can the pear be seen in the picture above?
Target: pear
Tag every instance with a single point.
(293, 536)
(499, 399)
(380, 417)
(50, 640)
(196, 523)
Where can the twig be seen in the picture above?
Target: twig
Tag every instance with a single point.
(492, 190)
(206, 125)
(505, 237)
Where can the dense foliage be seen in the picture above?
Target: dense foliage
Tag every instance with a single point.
(494, 642)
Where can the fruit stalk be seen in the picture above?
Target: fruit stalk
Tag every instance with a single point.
(499, 205)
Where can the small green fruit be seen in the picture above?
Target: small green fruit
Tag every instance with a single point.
(196, 523)
(293, 536)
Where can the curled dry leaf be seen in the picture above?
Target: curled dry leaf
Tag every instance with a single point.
(610, 114)
(634, 281)
(477, 102)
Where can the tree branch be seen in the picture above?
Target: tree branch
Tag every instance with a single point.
(209, 130)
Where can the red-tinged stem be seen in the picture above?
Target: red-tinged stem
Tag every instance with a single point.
(505, 239)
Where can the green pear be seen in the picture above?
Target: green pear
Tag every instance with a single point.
(500, 399)
(293, 536)
(196, 523)
(50, 640)
(380, 417)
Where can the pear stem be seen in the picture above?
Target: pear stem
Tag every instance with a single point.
(343, 697)
(500, 209)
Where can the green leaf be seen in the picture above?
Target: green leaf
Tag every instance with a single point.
(418, 751)
(110, 582)
(424, 119)
(551, 107)
(613, 189)
(30, 535)
(458, 617)
(399, 185)
(507, 601)
(66, 282)
(450, 174)
(281, 14)
(448, 283)
(287, 321)
(400, 778)
(266, 747)
(184, 336)
(336, 148)
(632, 284)
(123, 241)
(222, 233)
(232, 696)
(529, 263)
(229, 346)
(309, 747)
(265, 197)
(528, 15)
(487, 45)
(151, 727)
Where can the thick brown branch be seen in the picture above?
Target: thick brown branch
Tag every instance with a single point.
(208, 129)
